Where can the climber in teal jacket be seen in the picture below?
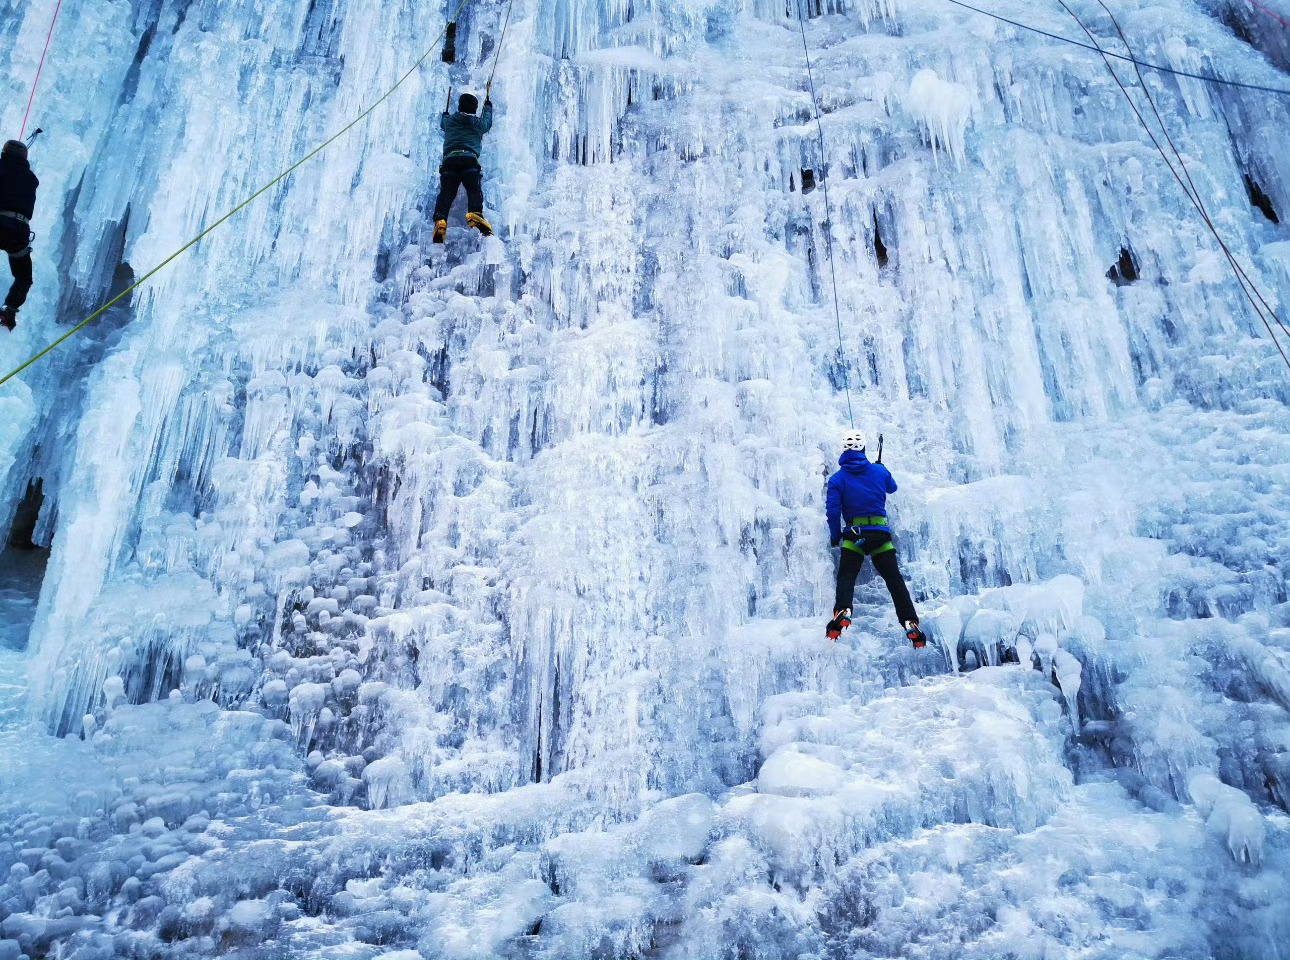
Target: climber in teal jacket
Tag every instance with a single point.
(463, 139)
(856, 508)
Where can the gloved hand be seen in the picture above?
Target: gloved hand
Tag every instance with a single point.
(835, 542)
(488, 101)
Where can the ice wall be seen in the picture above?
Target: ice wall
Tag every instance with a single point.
(467, 600)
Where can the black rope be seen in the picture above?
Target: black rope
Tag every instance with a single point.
(828, 218)
(1195, 191)
(1192, 193)
(1208, 78)
(498, 54)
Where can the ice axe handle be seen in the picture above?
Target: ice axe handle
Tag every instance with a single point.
(879, 448)
(32, 138)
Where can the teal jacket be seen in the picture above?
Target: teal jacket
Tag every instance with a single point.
(463, 133)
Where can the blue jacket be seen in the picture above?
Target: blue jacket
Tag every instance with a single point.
(463, 133)
(859, 489)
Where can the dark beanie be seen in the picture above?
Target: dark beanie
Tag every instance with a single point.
(467, 103)
(15, 148)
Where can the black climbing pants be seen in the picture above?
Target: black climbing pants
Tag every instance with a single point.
(888, 568)
(15, 240)
(457, 172)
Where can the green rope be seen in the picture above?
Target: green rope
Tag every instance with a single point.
(498, 55)
(238, 209)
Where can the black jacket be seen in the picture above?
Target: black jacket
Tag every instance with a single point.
(17, 186)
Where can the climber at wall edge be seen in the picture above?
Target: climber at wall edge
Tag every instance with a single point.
(17, 206)
(463, 138)
(859, 491)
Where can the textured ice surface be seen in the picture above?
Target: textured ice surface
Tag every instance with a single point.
(466, 602)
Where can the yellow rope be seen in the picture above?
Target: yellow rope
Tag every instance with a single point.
(241, 206)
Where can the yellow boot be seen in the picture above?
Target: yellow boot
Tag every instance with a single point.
(440, 230)
(480, 224)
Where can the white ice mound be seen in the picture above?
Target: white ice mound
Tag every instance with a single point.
(676, 829)
(839, 774)
(1041, 623)
(943, 108)
(792, 772)
(388, 783)
(1229, 813)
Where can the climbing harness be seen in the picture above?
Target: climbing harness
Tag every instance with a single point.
(1247, 285)
(1207, 78)
(40, 69)
(1275, 16)
(853, 534)
(828, 217)
(239, 208)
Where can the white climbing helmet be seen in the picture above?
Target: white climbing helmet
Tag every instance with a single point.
(853, 440)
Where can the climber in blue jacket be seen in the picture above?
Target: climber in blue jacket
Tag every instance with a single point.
(857, 511)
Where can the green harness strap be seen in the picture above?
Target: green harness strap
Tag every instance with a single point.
(875, 521)
(868, 522)
(852, 545)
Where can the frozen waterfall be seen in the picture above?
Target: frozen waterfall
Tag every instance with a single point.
(365, 598)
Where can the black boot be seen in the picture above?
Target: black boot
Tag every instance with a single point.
(841, 620)
(8, 317)
(915, 635)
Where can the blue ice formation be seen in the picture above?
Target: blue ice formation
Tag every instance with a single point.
(368, 599)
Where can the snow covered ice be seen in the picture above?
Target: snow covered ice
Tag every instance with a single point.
(368, 599)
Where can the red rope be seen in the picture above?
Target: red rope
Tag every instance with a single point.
(1277, 17)
(40, 69)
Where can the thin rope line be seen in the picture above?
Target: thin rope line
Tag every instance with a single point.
(1277, 17)
(828, 217)
(1247, 285)
(1208, 78)
(40, 69)
(1242, 278)
(1195, 196)
(501, 40)
(241, 206)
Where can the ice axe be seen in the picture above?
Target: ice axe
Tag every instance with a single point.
(32, 138)
(879, 460)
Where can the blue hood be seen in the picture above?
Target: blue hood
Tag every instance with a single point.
(853, 462)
